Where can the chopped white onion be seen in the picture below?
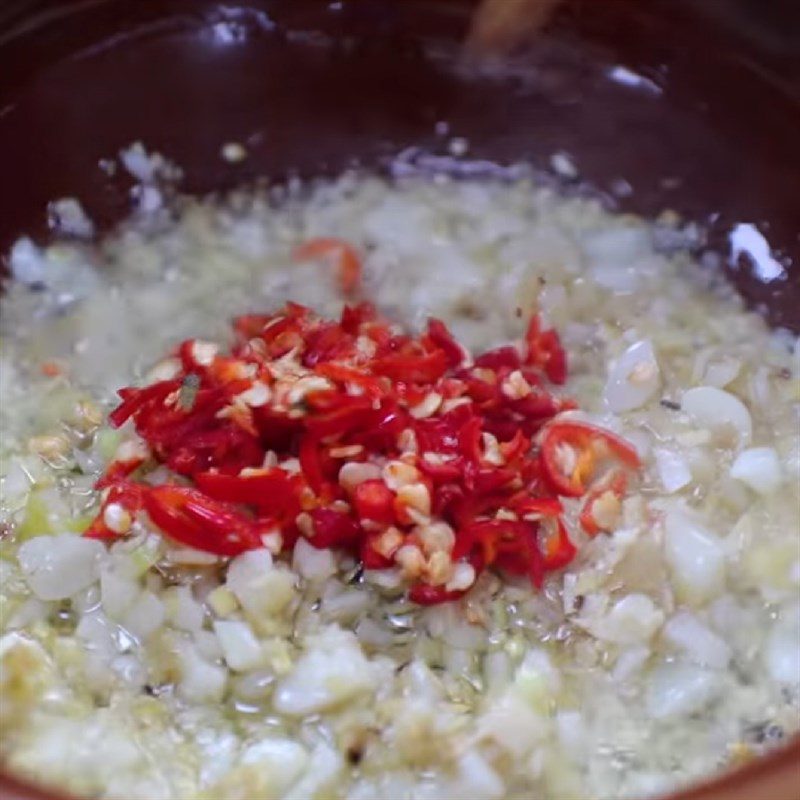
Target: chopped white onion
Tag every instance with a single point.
(56, 567)
(283, 761)
(676, 690)
(782, 651)
(99, 635)
(537, 679)
(333, 670)
(145, 616)
(759, 468)
(183, 610)
(447, 622)
(118, 591)
(131, 670)
(140, 164)
(372, 634)
(572, 733)
(457, 661)
(254, 686)
(695, 556)
(630, 663)
(713, 408)
(722, 372)
(248, 568)
(686, 632)
(614, 254)
(497, 670)
(513, 724)
(631, 620)
(346, 606)
(487, 711)
(191, 557)
(422, 683)
(258, 584)
(313, 563)
(28, 262)
(673, 469)
(31, 611)
(633, 379)
(207, 644)
(322, 769)
(384, 578)
(477, 779)
(200, 681)
(67, 216)
(241, 649)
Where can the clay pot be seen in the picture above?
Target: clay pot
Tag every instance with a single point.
(658, 105)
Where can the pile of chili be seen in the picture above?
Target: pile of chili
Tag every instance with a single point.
(402, 450)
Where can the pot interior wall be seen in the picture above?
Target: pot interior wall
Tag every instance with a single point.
(708, 128)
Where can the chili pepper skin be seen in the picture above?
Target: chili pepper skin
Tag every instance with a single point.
(587, 443)
(126, 494)
(342, 254)
(616, 485)
(424, 594)
(133, 400)
(333, 529)
(545, 351)
(191, 518)
(373, 500)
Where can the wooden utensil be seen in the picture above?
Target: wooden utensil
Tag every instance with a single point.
(499, 25)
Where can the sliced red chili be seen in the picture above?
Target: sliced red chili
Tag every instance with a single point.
(311, 464)
(537, 406)
(344, 256)
(507, 356)
(557, 546)
(374, 500)
(441, 434)
(382, 427)
(271, 491)
(469, 441)
(545, 351)
(229, 449)
(193, 519)
(501, 505)
(571, 451)
(516, 447)
(333, 529)
(118, 471)
(415, 369)
(496, 536)
(447, 499)
(135, 399)
(353, 317)
(353, 413)
(248, 326)
(371, 557)
(536, 507)
(126, 494)
(439, 336)
(426, 595)
(609, 493)
(442, 471)
(326, 344)
(483, 480)
(371, 385)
